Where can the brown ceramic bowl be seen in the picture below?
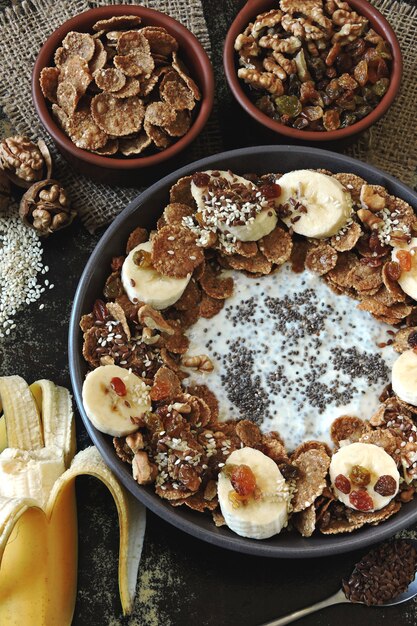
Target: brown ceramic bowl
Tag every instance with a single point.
(378, 22)
(110, 169)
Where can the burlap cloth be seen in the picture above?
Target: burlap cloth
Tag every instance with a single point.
(391, 144)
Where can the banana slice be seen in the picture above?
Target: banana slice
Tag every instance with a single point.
(260, 517)
(377, 482)
(112, 396)
(328, 204)
(408, 280)
(145, 284)
(404, 377)
(254, 228)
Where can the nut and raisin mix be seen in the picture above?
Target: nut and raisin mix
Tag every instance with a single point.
(314, 65)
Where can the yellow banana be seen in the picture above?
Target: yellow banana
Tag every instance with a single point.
(38, 517)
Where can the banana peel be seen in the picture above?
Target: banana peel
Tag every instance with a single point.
(38, 516)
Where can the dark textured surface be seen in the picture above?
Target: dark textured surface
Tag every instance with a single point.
(182, 581)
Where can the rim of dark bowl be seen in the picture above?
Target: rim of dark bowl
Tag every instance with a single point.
(380, 25)
(197, 524)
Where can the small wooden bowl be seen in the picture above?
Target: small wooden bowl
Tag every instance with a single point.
(378, 22)
(125, 170)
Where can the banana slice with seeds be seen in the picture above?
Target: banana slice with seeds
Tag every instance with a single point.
(112, 396)
(319, 205)
(143, 283)
(221, 212)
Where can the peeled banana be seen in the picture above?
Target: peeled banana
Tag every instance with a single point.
(38, 515)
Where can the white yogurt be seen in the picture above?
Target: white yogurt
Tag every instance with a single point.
(292, 355)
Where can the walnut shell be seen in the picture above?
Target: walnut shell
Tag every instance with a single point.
(46, 208)
(23, 161)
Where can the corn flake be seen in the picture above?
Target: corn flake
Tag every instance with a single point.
(174, 251)
(135, 145)
(80, 44)
(117, 117)
(312, 466)
(276, 246)
(49, 83)
(110, 79)
(117, 22)
(161, 42)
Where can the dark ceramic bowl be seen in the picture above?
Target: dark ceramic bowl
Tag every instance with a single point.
(110, 169)
(378, 22)
(144, 211)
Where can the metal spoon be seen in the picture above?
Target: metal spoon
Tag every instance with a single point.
(340, 597)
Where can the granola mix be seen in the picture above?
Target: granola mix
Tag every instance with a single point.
(313, 64)
(180, 446)
(121, 89)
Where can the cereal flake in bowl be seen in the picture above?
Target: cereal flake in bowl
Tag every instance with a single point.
(313, 70)
(114, 87)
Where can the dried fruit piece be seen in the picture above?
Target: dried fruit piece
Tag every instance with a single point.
(386, 485)
(118, 386)
(166, 385)
(360, 476)
(361, 500)
(243, 480)
(342, 483)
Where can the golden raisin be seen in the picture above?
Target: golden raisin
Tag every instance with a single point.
(141, 258)
(404, 259)
(360, 476)
(243, 480)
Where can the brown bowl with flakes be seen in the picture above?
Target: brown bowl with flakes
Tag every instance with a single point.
(124, 106)
(313, 73)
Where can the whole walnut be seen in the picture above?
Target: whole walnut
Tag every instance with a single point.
(23, 161)
(4, 191)
(46, 208)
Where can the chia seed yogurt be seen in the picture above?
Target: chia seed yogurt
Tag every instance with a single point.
(292, 355)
